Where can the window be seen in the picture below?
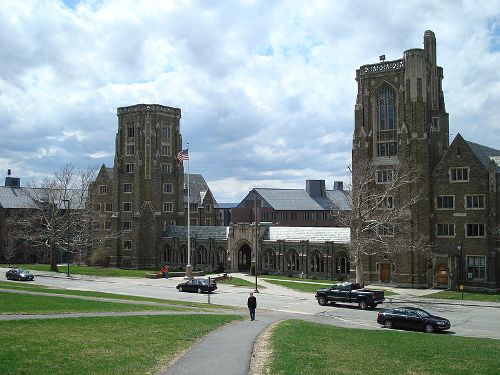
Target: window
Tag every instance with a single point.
(445, 202)
(127, 206)
(129, 168)
(96, 225)
(108, 207)
(459, 174)
(127, 225)
(107, 225)
(386, 122)
(208, 208)
(445, 230)
(103, 190)
(476, 267)
(168, 207)
(166, 168)
(130, 131)
(97, 207)
(474, 201)
(385, 230)
(127, 245)
(193, 206)
(208, 222)
(387, 149)
(165, 132)
(387, 203)
(168, 188)
(194, 222)
(165, 150)
(474, 230)
(130, 150)
(435, 123)
(386, 109)
(127, 187)
(384, 176)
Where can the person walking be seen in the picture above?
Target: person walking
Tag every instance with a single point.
(252, 305)
(167, 270)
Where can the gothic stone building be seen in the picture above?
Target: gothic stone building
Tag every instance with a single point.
(401, 124)
(144, 192)
(313, 251)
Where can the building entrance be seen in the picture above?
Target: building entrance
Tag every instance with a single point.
(244, 258)
(442, 275)
(385, 272)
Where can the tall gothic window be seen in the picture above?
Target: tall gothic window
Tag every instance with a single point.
(386, 122)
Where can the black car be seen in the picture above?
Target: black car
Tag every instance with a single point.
(19, 274)
(412, 318)
(197, 285)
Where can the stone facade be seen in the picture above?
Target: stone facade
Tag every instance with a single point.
(401, 123)
(294, 251)
(143, 193)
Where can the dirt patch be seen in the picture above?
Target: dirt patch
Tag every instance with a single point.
(262, 352)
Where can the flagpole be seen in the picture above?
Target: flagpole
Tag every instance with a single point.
(189, 273)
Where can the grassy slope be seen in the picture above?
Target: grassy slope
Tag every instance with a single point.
(450, 294)
(307, 348)
(116, 345)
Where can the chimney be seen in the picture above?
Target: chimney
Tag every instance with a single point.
(13, 182)
(338, 185)
(316, 188)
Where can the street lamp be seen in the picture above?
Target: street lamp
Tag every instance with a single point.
(256, 241)
(66, 207)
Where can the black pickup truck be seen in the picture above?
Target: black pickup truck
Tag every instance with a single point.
(351, 293)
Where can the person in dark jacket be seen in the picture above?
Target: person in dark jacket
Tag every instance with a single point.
(252, 305)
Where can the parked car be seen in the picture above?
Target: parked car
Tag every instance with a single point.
(350, 293)
(19, 274)
(412, 318)
(197, 285)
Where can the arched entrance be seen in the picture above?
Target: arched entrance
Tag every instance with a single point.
(385, 272)
(244, 258)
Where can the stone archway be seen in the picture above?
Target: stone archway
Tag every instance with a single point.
(244, 258)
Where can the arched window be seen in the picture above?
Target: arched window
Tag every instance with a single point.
(386, 122)
(316, 262)
(342, 264)
(269, 260)
(292, 261)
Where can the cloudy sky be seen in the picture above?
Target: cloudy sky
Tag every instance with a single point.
(266, 88)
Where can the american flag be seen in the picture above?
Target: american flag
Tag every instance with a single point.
(183, 155)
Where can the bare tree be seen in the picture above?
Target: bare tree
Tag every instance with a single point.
(61, 218)
(380, 214)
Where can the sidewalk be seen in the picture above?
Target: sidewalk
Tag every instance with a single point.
(226, 351)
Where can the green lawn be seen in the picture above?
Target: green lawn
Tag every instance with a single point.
(13, 303)
(451, 294)
(236, 281)
(84, 270)
(308, 348)
(111, 345)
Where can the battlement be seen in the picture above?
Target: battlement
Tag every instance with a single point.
(148, 108)
(382, 67)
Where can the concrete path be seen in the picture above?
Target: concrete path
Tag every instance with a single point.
(226, 351)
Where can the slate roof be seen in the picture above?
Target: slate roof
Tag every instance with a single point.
(299, 200)
(228, 205)
(205, 232)
(21, 198)
(198, 188)
(484, 154)
(311, 234)
(14, 198)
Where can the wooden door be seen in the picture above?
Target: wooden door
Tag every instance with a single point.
(385, 272)
(442, 275)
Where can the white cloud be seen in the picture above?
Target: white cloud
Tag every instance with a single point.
(267, 89)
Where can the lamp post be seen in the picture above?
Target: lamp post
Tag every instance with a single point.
(460, 249)
(256, 241)
(66, 207)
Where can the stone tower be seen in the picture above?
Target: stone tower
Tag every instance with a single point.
(143, 193)
(401, 124)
